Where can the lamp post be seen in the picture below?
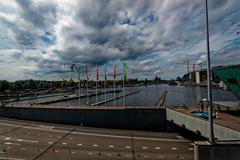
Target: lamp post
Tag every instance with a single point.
(209, 91)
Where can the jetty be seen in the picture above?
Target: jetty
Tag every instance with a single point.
(112, 99)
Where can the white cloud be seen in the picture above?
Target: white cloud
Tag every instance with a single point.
(149, 34)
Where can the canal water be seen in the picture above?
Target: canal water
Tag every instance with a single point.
(176, 95)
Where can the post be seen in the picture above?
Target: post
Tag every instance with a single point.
(188, 70)
(96, 92)
(210, 120)
(105, 85)
(114, 90)
(62, 91)
(87, 93)
(124, 97)
(79, 92)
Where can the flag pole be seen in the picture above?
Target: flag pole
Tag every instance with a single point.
(79, 99)
(114, 87)
(105, 84)
(86, 76)
(97, 77)
(96, 92)
(62, 91)
(79, 86)
(124, 96)
(114, 93)
(87, 93)
(124, 89)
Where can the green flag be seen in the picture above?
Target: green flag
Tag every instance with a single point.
(125, 71)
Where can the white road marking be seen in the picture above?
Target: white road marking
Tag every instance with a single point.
(94, 145)
(8, 143)
(129, 137)
(146, 156)
(25, 140)
(5, 158)
(161, 157)
(64, 143)
(46, 127)
(157, 147)
(90, 153)
(128, 147)
(79, 144)
(173, 148)
(111, 146)
(50, 142)
(43, 128)
(144, 147)
(190, 149)
(100, 135)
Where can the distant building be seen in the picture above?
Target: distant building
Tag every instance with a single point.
(229, 75)
(198, 76)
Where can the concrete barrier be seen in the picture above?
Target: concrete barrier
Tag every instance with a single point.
(218, 151)
(135, 119)
(200, 126)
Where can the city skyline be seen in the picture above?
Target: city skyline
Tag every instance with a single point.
(151, 36)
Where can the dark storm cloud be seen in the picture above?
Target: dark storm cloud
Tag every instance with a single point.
(55, 33)
(39, 15)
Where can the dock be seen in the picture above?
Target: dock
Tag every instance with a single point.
(71, 97)
(112, 99)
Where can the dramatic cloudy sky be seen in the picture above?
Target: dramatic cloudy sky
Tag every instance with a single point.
(154, 37)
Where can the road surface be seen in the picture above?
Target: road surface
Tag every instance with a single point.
(26, 140)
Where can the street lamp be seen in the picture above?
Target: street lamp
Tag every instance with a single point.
(210, 119)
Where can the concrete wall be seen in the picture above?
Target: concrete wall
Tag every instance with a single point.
(137, 119)
(224, 151)
(200, 126)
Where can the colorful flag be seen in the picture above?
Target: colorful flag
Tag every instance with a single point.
(97, 74)
(105, 72)
(125, 71)
(86, 72)
(114, 72)
(78, 71)
(72, 67)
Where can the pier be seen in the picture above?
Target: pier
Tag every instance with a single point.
(48, 99)
(112, 99)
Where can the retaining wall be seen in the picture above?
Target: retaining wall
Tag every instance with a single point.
(135, 119)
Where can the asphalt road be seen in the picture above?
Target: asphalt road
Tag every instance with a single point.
(26, 140)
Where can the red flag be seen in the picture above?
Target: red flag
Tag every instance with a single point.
(114, 72)
(86, 72)
(97, 74)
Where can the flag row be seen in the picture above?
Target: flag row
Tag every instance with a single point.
(78, 68)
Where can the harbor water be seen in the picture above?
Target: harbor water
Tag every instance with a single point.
(149, 95)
